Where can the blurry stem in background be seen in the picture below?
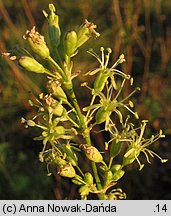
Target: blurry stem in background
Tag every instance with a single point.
(28, 12)
(148, 47)
(127, 67)
(132, 15)
(8, 21)
(164, 39)
(116, 13)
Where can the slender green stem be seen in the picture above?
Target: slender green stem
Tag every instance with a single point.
(110, 162)
(53, 62)
(97, 179)
(99, 186)
(92, 101)
(83, 127)
(72, 96)
(58, 56)
(49, 73)
(78, 168)
(73, 122)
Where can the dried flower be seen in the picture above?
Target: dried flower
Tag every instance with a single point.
(86, 32)
(37, 43)
(67, 170)
(92, 153)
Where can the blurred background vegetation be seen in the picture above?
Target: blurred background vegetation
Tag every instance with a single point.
(141, 29)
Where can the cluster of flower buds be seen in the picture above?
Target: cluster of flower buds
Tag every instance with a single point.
(86, 184)
(112, 175)
(74, 40)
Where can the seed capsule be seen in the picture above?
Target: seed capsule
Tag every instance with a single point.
(116, 167)
(88, 178)
(70, 43)
(100, 81)
(115, 148)
(84, 190)
(117, 175)
(30, 64)
(37, 43)
(108, 175)
(101, 115)
(129, 157)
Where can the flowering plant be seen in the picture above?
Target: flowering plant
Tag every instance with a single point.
(65, 127)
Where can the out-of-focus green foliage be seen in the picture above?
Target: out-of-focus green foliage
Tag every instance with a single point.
(139, 29)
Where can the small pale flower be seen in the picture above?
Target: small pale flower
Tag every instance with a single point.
(86, 32)
(138, 144)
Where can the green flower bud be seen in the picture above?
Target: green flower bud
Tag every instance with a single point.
(70, 43)
(54, 29)
(88, 178)
(67, 170)
(116, 167)
(86, 32)
(100, 81)
(102, 170)
(129, 157)
(108, 175)
(92, 153)
(117, 175)
(30, 64)
(101, 115)
(115, 148)
(37, 43)
(84, 190)
(128, 160)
